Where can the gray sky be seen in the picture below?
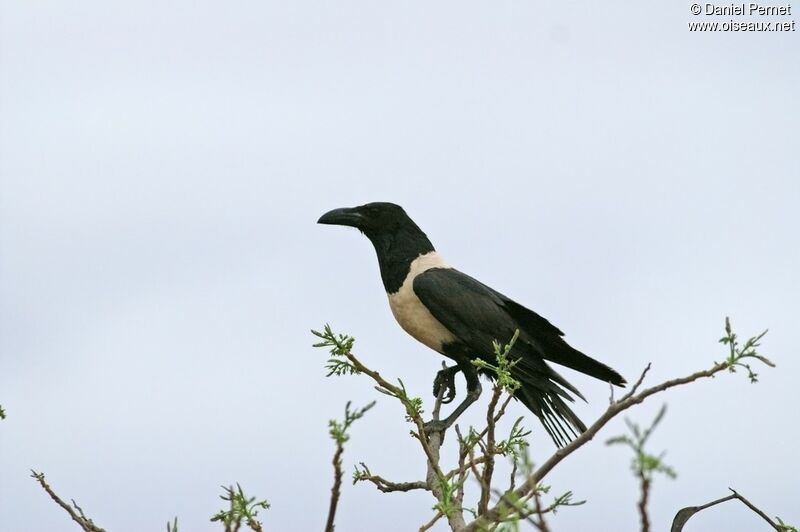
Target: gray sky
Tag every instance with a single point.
(162, 166)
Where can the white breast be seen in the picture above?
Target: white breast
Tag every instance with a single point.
(409, 311)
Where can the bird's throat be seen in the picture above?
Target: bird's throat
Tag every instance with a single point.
(396, 253)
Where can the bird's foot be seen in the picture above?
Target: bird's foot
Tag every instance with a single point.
(446, 381)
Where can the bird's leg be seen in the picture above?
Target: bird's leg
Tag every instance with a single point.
(446, 378)
(473, 393)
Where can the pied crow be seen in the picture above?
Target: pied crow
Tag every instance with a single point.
(459, 317)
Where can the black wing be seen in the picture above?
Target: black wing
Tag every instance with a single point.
(472, 311)
(478, 314)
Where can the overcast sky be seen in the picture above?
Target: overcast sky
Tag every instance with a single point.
(162, 167)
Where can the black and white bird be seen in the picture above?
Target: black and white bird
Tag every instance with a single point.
(460, 317)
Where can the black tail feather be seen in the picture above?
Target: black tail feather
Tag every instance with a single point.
(558, 419)
(546, 340)
(542, 392)
(558, 351)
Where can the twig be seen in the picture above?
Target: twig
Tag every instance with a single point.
(387, 486)
(336, 489)
(480, 435)
(542, 523)
(756, 510)
(85, 523)
(525, 512)
(338, 432)
(241, 509)
(429, 524)
(462, 471)
(488, 467)
(385, 386)
(462, 465)
(644, 465)
(638, 383)
(685, 514)
(644, 487)
(472, 465)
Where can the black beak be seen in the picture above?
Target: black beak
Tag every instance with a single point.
(350, 217)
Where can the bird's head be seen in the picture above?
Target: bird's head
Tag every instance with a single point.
(395, 236)
(375, 220)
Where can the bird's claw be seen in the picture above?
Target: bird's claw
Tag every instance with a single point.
(446, 380)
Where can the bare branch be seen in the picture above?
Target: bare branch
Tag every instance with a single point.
(644, 489)
(524, 512)
(488, 468)
(638, 383)
(541, 523)
(338, 432)
(85, 523)
(429, 524)
(756, 510)
(387, 486)
(336, 489)
(644, 464)
(685, 514)
(462, 470)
